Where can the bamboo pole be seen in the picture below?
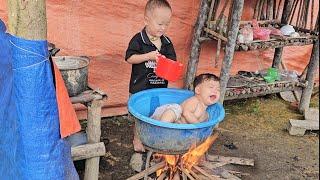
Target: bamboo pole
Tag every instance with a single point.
(93, 134)
(270, 10)
(256, 9)
(305, 20)
(301, 13)
(195, 47)
(215, 11)
(210, 13)
(260, 12)
(230, 47)
(312, 67)
(278, 9)
(284, 19)
(312, 9)
(274, 9)
(293, 10)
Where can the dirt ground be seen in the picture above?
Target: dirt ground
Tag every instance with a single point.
(253, 128)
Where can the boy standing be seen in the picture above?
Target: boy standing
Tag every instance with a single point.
(144, 48)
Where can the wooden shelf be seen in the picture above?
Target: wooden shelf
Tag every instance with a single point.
(91, 152)
(275, 42)
(261, 88)
(306, 37)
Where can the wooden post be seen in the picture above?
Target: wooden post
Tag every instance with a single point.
(284, 19)
(270, 10)
(195, 47)
(27, 19)
(93, 134)
(229, 51)
(312, 67)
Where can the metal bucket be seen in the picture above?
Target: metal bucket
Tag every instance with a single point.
(74, 71)
(169, 138)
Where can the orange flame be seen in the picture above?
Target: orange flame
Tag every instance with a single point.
(171, 161)
(192, 157)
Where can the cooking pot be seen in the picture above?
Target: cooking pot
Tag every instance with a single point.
(74, 71)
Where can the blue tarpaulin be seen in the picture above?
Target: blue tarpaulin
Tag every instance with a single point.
(30, 143)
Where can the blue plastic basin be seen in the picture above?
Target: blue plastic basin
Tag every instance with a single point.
(169, 137)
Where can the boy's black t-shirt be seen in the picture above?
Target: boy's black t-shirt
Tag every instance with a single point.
(143, 75)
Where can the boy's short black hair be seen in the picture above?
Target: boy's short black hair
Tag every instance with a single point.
(203, 77)
(152, 4)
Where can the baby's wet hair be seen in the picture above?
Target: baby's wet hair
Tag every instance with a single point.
(203, 77)
(152, 4)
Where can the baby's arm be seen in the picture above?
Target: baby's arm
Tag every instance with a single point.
(189, 108)
(139, 58)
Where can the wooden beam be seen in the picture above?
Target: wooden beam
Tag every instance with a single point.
(312, 67)
(284, 19)
(88, 151)
(230, 47)
(231, 160)
(195, 45)
(27, 19)
(93, 134)
(270, 9)
(213, 33)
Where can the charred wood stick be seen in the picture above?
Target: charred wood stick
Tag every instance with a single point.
(148, 171)
(225, 174)
(162, 176)
(204, 172)
(185, 171)
(193, 174)
(184, 176)
(231, 160)
(211, 165)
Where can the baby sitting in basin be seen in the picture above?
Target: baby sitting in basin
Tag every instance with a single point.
(192, 110)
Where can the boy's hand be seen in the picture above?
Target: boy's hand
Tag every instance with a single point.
(153, 55)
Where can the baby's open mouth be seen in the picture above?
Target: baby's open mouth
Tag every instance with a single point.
(213, 97)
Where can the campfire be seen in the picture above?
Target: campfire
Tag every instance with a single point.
(193, 165)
